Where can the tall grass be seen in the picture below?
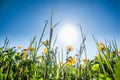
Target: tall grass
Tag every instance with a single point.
(24, 64)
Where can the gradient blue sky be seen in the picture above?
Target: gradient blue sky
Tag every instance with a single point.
(20, 20)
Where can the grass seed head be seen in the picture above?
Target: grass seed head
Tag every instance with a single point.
(46, 43)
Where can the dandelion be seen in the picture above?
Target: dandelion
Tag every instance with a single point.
(74, 60)
(31, 48)
(45, 50)
(70, 48)
(71, 61)
(19, 47)
(101, 46)
(45, 43)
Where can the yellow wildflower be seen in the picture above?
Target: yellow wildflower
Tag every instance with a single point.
(46, 43)
(70, 48)
(31, 48)
(74, 60)
(45, 50)
(19, 47)
(101, 46)
(71, 61)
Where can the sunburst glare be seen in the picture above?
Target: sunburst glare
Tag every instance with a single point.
(68, 34)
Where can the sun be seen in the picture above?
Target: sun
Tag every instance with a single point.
(68, 34)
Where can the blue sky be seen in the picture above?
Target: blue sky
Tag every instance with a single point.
(20, 20)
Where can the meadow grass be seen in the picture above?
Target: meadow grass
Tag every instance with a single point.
(26, 65)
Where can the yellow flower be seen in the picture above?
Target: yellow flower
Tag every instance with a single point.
(74, 60)
(46, 43)
(101, 46)
(71, 61)
(31, 48)
(45, 50)
(70, 48)
(19, 47)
